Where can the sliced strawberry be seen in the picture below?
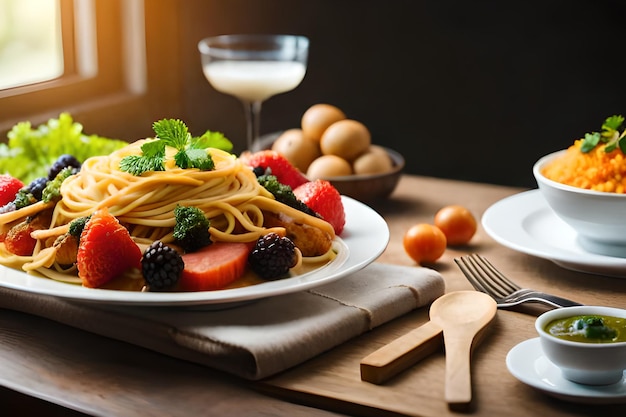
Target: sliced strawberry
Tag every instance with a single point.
(322, 197)
(214, 267)
(279, 165)
(9, 186)
(105, 251)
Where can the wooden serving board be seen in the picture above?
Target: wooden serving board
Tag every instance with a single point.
(332, 381)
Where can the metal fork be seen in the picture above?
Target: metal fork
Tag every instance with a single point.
(486, 278)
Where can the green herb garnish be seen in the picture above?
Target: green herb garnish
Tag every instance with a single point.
(593, 328)
(191, 151)
(610, 135)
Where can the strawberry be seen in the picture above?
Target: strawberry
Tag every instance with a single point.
(9, 186)
(279, 166)
(105, 251)
(18, 240)
(323, 198)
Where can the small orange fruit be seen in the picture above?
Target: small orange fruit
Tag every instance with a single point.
(424, 243)
(457, 223)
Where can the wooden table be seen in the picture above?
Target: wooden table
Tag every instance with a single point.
(73, 370)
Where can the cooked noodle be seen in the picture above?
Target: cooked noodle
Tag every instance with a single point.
(230, 196)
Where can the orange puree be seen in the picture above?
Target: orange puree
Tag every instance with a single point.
(595, 170)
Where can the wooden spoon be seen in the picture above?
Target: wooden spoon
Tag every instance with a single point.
(460, 316)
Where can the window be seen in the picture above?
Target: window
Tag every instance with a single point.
(30, 35)
(94, 64)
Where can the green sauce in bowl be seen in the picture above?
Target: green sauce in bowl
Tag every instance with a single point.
(589, 328)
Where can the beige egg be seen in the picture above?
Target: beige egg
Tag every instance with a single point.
(328, 166)
(317, 118)
(377, 149)
(346, 138)
(298, 150)
(372, 162)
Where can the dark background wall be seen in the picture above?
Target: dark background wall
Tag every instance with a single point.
(474, 90)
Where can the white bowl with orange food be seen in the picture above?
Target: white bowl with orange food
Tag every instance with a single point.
(587, 190)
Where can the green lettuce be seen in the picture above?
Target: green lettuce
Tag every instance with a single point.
(31, 151)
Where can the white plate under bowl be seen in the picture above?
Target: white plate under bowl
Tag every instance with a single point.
(524, 222)
(364, 238)
(527, 362)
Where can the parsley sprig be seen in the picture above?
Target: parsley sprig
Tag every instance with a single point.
(610, 135)
(191, 151)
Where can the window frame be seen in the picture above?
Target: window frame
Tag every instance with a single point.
(122, 92)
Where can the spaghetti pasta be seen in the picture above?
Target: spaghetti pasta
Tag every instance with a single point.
(229, 195)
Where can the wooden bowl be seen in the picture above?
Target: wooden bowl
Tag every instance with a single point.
(372, 187)
(365, 188)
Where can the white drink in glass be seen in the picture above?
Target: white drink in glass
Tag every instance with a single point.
(253, 68)
(254, 80)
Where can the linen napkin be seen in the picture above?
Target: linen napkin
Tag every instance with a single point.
(258, 339)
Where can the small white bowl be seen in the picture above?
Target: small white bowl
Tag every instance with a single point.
(599, 218)
(582, 362)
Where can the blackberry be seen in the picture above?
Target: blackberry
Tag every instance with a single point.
(272, 256)
(161, 266)
(63, 161)
(36, 187)
(258, 171)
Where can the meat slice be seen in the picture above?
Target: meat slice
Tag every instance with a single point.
(309, 239)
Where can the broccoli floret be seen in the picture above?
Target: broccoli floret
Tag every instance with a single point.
(24, 198)
(284, 193)
(52, 192)
(77, 226)
(192, 228)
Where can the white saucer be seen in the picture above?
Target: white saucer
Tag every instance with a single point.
(527, 363)
(524, 222)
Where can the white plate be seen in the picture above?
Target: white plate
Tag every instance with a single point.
(526, 223)
(527, 363)
(364, 238)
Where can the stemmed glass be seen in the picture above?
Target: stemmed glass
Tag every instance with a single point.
(254, 68)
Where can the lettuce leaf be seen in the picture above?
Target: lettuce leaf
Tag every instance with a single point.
(31, 151)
